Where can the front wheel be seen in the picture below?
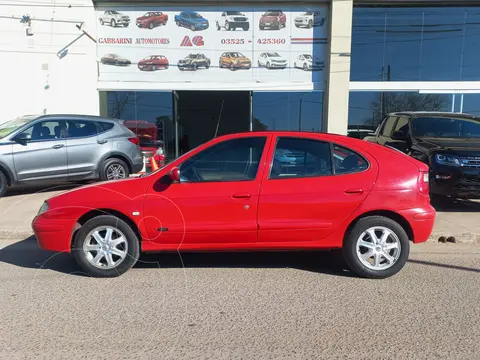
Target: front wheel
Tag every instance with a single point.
(3, 184)
(106, 246)
(207, 65)
(114, 169)
(150, 26)
(376, 247)
(113, 23)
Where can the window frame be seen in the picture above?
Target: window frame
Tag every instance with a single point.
(353, 151)
(299, 177)
(226, 181)
(395, 118)
(82, 137)
(100, 129)
(34, 123)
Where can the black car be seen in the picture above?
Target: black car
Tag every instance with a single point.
(448, 142)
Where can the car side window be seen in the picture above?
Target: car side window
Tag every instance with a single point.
(45, 130)
(347, 161)
(299, 157)
(230, 160)
(388, 127)
(104, 126)
(402, 125)
(81, 128)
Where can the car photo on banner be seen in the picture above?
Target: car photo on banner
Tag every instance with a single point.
(309, 19)
(308, 62)
(114, 19)
(273, 20)
(272, 60)
(193, 62)
(152, 19)
(232, 20)
(114, 59)
(191, 20)
(153, 62)
(234, 60)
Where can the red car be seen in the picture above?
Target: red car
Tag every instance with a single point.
(274, 19)
(152, 19)
(153, 62)
(228, 195)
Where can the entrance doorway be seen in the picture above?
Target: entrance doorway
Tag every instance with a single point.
(203, 115)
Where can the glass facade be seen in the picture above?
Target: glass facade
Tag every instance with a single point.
(415, 44)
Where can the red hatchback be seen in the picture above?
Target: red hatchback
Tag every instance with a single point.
(251, 191)
(153, 62)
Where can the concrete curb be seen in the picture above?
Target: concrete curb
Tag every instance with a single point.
(15, 234)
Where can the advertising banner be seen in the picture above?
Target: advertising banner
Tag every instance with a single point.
(193, 48)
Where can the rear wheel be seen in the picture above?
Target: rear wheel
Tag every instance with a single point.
(101, 22)
(376, 247)
(3, 184)
(106, 246)
(114, 169)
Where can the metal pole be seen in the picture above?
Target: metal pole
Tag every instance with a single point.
(300, 116)
(177, 145)
(251, 110)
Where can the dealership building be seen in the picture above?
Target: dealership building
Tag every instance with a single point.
(195, 70)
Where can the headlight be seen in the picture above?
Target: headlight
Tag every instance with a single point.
(43, 208)
(448, 160)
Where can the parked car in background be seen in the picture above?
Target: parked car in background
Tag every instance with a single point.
(114, 19)
(272, 60)
(150, 145)
(58, 148)
(152, 19)
(191, 20)
(153, 62)
(273, 19)
(226, 195)
(449, 143)
(231, 20)
(114, 59)
(234, 60)
(194, 61)
(361, 131)
(309, 19)
(308, 62)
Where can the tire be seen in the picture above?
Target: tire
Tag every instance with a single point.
(232, 67)
(218, 26)
(3, 184)
(130, 248)
(164, 22)
(101, 22)
(166, 67)
(192, 27)
(262, 27)
(227, 26)
(246, 27)
(296, 25)
(258, 63)
(268, 65)
(150, 26)
(194, 67)
(305, 66)
(398, 255)
(310, 24)
(125, 25)
(117, 63)
(177, 22)
(107, 167)
(220, 65)
(294, 65)
(207, 65)
(113, 23)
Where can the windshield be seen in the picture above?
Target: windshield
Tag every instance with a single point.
(273, 54)
(115, 12)
(236, 55)
(445, 127)
(196, 16)
(192, 56)
(308, 56)
(271, 13)
(10, 126)
(234, 13)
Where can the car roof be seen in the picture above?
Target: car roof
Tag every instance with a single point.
(77, 117)
(433, 114)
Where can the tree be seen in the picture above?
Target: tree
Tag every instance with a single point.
(410, 101)
(119, 100)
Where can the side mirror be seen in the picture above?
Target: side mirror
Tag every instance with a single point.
(23, 138)
(175, 174)
(399, 136)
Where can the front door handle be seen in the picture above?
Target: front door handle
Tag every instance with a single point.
(241, 195)
(354, 191)
(58, 146)
(102, 141)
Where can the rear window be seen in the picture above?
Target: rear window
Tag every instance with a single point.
(347, 161)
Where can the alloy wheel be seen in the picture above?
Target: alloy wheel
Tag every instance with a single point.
(105, 247)
(378, 248)
(115, 172)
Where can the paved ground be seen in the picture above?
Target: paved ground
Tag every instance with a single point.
(240, 306)
(17, 209)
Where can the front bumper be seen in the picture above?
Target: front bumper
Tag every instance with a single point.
(201, 26)
(455, 182)
(278, 65)
(242, 65)
(184, 65)
(122, 21)
(301, 22)
(53, 234)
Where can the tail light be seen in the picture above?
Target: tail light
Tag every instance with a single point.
(135, 140)
(423, 182)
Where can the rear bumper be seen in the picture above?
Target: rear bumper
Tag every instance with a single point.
(421, 221)
(53, 234)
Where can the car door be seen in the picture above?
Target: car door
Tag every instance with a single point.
(216, 200)
(43, 155)
(386, 130)
(306, 195)
(84, 149)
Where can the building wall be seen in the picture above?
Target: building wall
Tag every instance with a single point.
(34, 79)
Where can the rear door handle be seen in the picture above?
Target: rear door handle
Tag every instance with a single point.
(354, 191)
(241, 195)
(58, 146)
(102, 141)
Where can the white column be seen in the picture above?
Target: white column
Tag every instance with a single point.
(339, 64)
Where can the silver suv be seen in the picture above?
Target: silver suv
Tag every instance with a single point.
(40, 149)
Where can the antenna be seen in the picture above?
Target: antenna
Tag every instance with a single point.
(219, 117)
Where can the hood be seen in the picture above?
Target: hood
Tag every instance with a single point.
(269, 17)
(454, 145)
(200, 20)
(103, 192)
(143, 18)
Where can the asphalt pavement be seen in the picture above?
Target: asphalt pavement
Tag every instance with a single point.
(240, 306)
